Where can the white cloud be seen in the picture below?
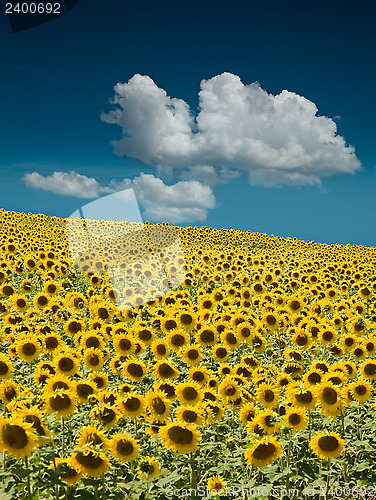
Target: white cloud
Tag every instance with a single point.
(68, 184)
(275, 139)
(184, 201)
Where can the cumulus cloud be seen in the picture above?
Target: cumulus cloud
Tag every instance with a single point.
(68, 184)
(275, 139)
(187, 200)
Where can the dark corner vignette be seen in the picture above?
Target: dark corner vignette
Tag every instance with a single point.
(29, 14)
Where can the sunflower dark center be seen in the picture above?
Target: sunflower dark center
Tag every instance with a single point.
(135, 370)
(89, 460)
(60, 402)
(132, 404)
(328, 443)
(29, 349)
(165, 370)
(158, 406)
(221, 352)
(14, 436)
(179, 435)
(124, 447)
(161, 349)
(84, 390)
(3, 368)
(189, 393)
(66, 364)
(269, 396)
(207, 336)
(329, 395)
(264, 451)
(304, 398)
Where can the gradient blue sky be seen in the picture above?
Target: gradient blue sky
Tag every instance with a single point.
(57, 79)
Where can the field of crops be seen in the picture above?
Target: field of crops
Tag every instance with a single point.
(254, 378)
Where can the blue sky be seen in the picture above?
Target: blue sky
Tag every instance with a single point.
(58, 79)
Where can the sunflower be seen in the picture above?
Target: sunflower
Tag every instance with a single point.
(186, 320)
(268, 420)
(51, 342)
(263, 452)
(330, 398)
(28, 348)
(244, 331)
(100, 379)
(191, 354)
(103, 311)
(6, 367)
(91, 436)
(124, 448)
(267, 394)
(67, 472)
(143, 334)
(93, 359)
(271, 321)
(20, 302)
(9, 390)
(91, 339)
(216, 485)
(165, 370)
(41, 300)
(302, 339)
(295, 419)
(189, 393)
(258, 341)
(148, 468)
(73, 326)
(229, 389)
(367, 369)
(206, 336)
(66, 362)
(62, 403)
(84, 389)
(34, 416)
(199, 374)
(57, 382)
(168, 323)
(327, 445)
(177, 339)
(41, 376)
(169, 388)
(158, 405)
(180, 437)
(133, 405)
(160, 349)
(247, 413)
(313, 377)
(360, 390)
(90, 462)
(293, 368)
(17, 437)
(301, 397)
(348, 342)
(107, 415)
(134, 369)
(190, 415)
(124, 344)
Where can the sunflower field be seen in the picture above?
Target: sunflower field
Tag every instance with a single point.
(252, 377)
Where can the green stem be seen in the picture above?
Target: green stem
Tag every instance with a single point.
(63, 434)
(309, 424)
(193, 474)
(28, 479)
(327, 481)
